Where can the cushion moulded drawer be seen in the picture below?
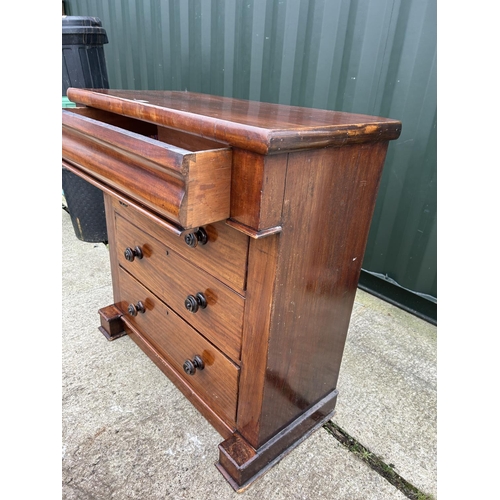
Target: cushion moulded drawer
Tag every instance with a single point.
(190, 188)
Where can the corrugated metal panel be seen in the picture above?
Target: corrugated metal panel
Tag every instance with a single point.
(360, 56)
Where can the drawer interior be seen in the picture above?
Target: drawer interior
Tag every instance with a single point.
(178, 138)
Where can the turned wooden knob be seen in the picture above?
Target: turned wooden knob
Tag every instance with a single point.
(133, 309)
(190, 366)
(197, 237)
(132, 253)
(194, 302)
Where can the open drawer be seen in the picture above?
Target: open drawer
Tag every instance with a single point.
(191, 187)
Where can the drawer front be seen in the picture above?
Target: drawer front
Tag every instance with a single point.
(175, 280)
(189, 187)
(178, 343)
(224, 255)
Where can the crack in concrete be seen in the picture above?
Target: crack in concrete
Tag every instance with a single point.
(377, 464)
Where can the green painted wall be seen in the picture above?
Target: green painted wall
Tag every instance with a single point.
(371, 57)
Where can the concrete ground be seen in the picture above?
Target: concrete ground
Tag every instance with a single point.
(128, 433)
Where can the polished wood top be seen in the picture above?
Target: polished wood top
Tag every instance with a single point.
(256, 126)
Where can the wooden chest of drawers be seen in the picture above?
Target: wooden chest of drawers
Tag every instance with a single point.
(236, 233)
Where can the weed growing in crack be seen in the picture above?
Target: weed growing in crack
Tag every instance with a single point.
(376, 463)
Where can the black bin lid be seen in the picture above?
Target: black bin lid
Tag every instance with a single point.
(84, 30)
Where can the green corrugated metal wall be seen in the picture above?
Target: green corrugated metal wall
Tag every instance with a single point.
(371, 57)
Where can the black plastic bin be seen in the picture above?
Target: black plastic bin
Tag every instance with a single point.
(83, 61)
(84, 66)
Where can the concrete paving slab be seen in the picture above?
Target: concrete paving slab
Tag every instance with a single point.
(388, 388)
(129, 433)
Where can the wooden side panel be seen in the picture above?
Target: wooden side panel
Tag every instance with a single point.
(208, 194)
(257, 188)
(262, 260)
(328, 206)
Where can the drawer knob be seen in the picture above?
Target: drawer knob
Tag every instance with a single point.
(132, 253)
(198, 237)
(133, 309)
(191, 365)
(194, 302)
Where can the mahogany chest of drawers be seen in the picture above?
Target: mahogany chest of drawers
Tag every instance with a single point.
(236, 234)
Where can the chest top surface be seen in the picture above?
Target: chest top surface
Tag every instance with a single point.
(256, 126)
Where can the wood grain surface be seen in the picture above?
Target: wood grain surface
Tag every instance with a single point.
(172, 279)
(286, 196)
(191, 188)
(176, 341)
(224, 255)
